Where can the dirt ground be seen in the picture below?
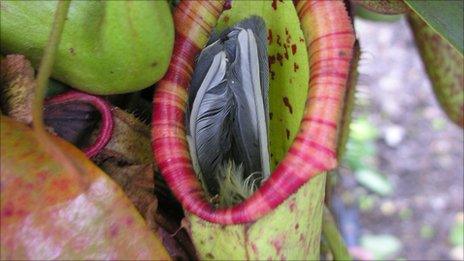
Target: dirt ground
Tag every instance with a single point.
(418, 149)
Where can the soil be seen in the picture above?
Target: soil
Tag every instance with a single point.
(418, 149)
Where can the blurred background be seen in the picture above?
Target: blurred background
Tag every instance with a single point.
(399, 192)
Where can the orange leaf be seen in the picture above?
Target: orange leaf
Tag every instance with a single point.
(47, 213)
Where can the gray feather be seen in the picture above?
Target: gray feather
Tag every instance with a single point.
(250, 125)
(202, 67)
(209, 121)
(228, 107)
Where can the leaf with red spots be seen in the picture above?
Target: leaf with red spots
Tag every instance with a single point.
(288, 66)
(445, 66)
(277, 235)
(48, 213)
(384, 6)
(291, 231)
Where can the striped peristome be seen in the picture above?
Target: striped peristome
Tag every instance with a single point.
(330, 41)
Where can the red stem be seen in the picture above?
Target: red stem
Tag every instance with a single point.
(106, 123)
(326, 25)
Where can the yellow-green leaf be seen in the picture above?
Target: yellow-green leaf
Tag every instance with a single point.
(107, 47)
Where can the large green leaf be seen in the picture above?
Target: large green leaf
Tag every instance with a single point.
(446, 17)
(107, 47)
(48, 213)
(292, 230)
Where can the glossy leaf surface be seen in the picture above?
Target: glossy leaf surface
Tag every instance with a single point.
(107, 47)
(47, 213)
(445, 17)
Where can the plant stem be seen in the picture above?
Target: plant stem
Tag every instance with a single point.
(45, 70)
(333, 238)
(46, 64)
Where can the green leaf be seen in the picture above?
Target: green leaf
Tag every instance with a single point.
(405, 214)
(366, 14)
(359, 154)
(427, 231)
(363, 130)
(445, 67)
(382, 246)
(386, 7)
(106, 47)
(366, 202)
(360, 147)
(55, 87)
(374, 181)
(438, 124)
(456, 235)
(446, 17)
